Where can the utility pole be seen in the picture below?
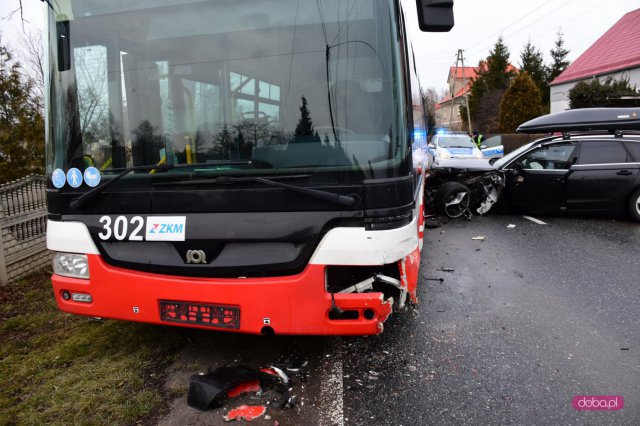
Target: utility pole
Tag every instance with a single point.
(460, 60)
(466, 92)
(452, 88)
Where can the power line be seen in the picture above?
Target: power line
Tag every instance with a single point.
(476, 51)
(526, 15)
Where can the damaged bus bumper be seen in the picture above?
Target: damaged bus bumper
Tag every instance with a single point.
(282, 305)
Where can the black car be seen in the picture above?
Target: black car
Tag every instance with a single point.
(592, 165)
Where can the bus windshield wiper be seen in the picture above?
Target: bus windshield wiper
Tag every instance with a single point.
(82, 200)
(344, 200)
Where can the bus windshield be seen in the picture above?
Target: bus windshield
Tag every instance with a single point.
(290, 86)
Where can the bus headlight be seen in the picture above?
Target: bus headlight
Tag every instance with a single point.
(71, 265)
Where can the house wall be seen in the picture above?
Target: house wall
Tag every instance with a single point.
(444, 118)
(560, 93)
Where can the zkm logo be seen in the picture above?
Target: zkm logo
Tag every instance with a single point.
(196, 256)
(598, 402)
(166, 228)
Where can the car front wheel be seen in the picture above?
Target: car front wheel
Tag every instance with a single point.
(634, 206)
(453, 199)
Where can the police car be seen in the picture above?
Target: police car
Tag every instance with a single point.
(446, 146)
(492, 147)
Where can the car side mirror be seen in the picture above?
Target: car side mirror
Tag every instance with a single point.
(483, 147)
(435, 15)
(431, 146)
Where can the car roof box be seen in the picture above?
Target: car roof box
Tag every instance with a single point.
(587, 119)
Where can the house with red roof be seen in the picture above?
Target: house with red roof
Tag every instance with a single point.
(616, 54)
(448, 109)
(460, 81)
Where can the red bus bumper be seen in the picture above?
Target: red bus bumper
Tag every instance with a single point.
(295, 304)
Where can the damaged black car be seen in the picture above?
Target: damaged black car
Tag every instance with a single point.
(590, 165)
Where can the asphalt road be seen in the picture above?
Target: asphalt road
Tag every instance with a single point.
(528, 319)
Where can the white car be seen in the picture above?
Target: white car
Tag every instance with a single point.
(492, 147)
(450, 145)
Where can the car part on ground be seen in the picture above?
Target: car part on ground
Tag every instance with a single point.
(246, 413)
(211, 390)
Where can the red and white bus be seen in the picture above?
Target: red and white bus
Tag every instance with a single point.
(250, 166)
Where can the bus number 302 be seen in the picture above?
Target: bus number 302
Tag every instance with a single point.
(120, 227)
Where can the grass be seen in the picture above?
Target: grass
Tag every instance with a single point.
(57, 368)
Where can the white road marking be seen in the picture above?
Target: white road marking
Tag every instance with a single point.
(331, 389)
(534, 220)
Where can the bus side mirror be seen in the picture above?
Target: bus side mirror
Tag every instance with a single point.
(435, 15)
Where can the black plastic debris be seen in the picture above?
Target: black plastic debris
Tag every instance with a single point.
(210, 390)
(297, 366)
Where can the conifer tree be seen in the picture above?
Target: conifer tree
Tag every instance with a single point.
(497, 74)
(559, 61)
(493, 78)
(305, 125)
(21, 123)
(532, 61)
(520, 103)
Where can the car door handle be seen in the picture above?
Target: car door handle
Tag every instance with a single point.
(624, 173)
(555, 180)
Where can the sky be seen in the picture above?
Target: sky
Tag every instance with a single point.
(479, 23)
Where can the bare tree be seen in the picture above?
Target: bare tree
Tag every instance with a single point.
(11, 14)
(32, 53)
(91, 72)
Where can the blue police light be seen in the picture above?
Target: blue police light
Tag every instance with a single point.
(419, 133)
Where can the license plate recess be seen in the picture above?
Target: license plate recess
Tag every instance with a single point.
(209, 315)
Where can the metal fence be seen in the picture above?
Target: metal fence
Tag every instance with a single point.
(23, 226)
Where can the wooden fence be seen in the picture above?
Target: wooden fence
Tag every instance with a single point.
(23, 226)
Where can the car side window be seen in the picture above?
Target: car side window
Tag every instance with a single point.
(634, 147)
(604, 152)
(551, 157)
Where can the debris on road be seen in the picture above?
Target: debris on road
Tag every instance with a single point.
(211, 390)
(511, 226)
(246, 412)
(277, 372)
(443, 269)
(249, 387)
(479, 238)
